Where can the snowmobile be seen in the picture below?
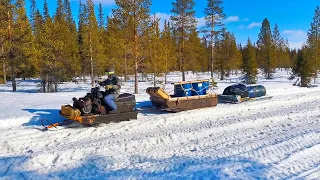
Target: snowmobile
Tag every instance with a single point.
(91, 109)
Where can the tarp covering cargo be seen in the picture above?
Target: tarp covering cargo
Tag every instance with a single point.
(240, 93)
(244, 91)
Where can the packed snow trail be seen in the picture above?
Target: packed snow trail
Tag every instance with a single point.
(277, 138)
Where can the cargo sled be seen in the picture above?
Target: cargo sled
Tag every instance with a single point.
(238, 93)
(188, 96)
(91, 110)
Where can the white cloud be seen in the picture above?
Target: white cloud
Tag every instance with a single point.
(232, 19)
(201, 22)
(295, 34)
(105, 2)
(296, 37)
(254, 24)
(162, 17)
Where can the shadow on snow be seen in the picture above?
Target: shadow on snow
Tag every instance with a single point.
(99, 167)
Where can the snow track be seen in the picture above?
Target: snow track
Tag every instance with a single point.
(277, 138)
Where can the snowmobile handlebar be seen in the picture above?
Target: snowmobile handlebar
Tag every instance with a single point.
(104, 83)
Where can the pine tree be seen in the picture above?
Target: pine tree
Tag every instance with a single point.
(155, 48)
(266, 49)
(293, 57)
(195, 52)
(135, 13)
(45, 40)
(169, 49)
(119, 46)
(249, 64)
(65, 45)
(21, 43)
(285, 55)
(184, 21)
(82, 27)
(235, 57)
(313, 41)
(6, 18)
(228, 57)
(92, 41)
(214, 16)
(302, 67)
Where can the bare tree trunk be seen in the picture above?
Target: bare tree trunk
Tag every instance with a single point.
(166, 71)
(91, 60)
(125, 68)
(154, 76)
(182, 58)
(4, 66)
(316, 73)
(13, 77)
(4, 71)
(11, 55)
(212, 47)
(136, 90)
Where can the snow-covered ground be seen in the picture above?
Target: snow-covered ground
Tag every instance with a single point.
(278, 138)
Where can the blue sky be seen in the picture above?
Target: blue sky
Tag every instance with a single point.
(243, 17)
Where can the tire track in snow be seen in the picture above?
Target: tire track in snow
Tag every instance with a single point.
(164, 135)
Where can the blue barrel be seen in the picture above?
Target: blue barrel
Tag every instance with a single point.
(198, 89)
(205, 85)
(182, 90)
(256, 91)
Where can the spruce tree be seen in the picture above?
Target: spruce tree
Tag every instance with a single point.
(214, 18)
(278, 42)
(266, 49)
(101, 17)
(46, 14)
(313, 41)
(249, 64)
(82, 29)
(302, 67)
(184, 21)
(46, 40)
(33, 11)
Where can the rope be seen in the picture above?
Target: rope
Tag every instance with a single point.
(192, 89)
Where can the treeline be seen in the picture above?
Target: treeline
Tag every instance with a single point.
(57, 49)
